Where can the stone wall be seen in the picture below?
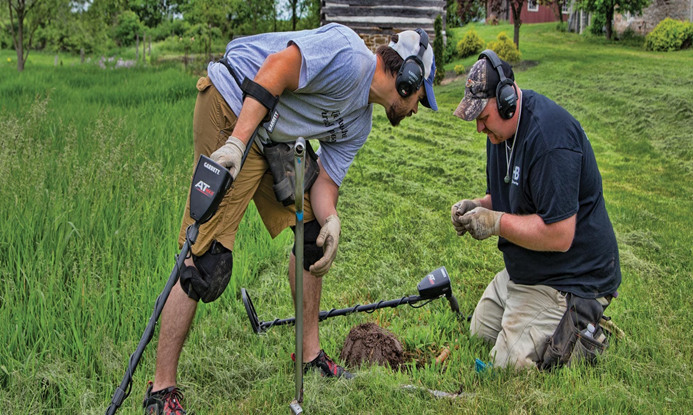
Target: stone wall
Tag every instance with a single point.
(373, 41)
(651, 16)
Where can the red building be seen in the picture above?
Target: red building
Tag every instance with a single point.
(532, 12)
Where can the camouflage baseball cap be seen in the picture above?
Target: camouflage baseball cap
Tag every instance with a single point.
(481, 85)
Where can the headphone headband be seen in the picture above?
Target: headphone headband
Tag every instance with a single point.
(495, 62)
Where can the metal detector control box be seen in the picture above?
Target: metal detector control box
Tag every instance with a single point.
(209, 185)
(435, 284)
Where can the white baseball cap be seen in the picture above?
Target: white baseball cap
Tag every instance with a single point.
(408, 45)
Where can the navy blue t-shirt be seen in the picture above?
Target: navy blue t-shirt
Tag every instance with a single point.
(554, 174)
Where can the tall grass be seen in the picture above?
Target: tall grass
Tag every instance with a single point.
(94, 170)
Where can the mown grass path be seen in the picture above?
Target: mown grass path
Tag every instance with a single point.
(92, 185)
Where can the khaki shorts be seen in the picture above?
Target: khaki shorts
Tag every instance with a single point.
(517, 319)
(213, 123)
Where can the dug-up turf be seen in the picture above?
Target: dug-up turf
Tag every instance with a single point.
(369, 343)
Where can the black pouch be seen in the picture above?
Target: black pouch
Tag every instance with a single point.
(570, 344)
(280, 157)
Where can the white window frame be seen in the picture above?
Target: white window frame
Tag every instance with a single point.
(565, 9)
(530, 8)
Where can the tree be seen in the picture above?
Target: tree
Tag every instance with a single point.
(468, 10)
(150, 12)
(25, 17)
(516, 7)
(439, 50)
(308, 9)
(209, 18)
(606, 9)
(250, 16)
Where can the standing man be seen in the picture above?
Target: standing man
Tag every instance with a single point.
(544, 200)
(318, 84)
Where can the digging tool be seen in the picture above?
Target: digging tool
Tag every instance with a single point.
(433, 286)
(299, 163)
(210, 183)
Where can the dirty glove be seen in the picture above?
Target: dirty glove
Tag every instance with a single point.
(459, 209)
(328, 239)
(481, 222)
(230, 155)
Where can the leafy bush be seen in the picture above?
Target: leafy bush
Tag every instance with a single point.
(470, 44)
(631, 38)
(128, 27)
(670, 35)
(175, 27)
(459, 69)
(598, 24)
(439, 50)
(562, 26)
(450, 47)
(505, 48)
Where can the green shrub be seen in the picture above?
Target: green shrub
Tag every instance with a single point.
(598, 24)
(439, 50)
(470, 44)
(459, 69)
(505, 48)
(450, 47)
(128, 27)
(670, 35)
(631, 38)
(562, 26)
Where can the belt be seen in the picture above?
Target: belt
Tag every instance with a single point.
(217, 248)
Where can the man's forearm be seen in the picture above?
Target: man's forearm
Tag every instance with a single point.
(531, 232)
(323, 196)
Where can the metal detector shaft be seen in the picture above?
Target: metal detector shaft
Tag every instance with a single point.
(121, 392)
(265, 325)
(299, 161)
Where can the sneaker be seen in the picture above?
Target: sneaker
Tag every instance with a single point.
(164, 402)
(325, 366)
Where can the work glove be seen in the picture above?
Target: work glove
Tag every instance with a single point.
(459, 209)
(328, 239)
(230, 155)
(481, 222)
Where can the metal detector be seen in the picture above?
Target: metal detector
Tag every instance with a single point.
(299, 163)
(209, 185)
(433, 286)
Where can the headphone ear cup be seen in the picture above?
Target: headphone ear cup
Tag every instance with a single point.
(506, 100)
(410, 76)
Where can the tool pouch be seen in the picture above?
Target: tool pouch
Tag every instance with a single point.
(569, 344)
(280, 157)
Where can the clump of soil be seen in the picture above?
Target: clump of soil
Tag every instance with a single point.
(370, 343)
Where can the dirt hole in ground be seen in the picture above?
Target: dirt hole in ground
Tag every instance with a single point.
(370, 343)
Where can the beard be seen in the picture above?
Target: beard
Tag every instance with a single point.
(395, 114)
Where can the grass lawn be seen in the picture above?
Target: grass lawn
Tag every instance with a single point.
(94, 169)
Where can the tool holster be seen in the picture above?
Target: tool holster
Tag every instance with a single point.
(280, 157)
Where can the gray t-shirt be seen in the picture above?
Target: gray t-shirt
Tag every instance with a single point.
(331, 102)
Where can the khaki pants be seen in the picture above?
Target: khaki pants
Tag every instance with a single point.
(517, 319)
(213, 123)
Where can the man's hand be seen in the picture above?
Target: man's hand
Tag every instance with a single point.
(459, 209)
(230, 155)
(328, 239)
(481, 222)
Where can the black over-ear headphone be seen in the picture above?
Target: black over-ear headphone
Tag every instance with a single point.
(411, 73)
(506, 95)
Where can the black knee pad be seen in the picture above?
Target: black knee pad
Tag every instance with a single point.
(210, 276)
(311, 251)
